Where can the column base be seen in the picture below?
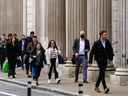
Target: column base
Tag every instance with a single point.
(69, 70)
(93, 72)
(120, 77)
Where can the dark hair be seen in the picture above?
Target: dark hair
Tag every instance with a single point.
(10, 34)
(49, 44)
(41, 47)
(3, 34)
(14, 34)
(101, 32)
(32, 32)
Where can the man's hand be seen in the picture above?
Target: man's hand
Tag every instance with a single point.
(76, 54)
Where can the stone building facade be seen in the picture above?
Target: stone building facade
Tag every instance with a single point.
(62, 21)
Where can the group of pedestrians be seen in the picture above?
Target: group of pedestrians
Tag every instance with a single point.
(102, 52)
(31, 53)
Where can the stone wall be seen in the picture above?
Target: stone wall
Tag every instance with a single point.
(11, 16)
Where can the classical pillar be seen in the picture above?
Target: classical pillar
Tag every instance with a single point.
(24, 17)
(120, 35)
(98, 18)
(51, 22)
(76, 20)
(11, 16)
(30, 18)
(3, 17)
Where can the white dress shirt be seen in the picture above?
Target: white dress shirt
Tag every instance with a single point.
(103, 43)
(23, 45)
(82, 47)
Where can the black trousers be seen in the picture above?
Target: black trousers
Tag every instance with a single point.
(22, 59)
(53, 68)
(28, 65)
(12, 66)
(2, 59)
(101, 78)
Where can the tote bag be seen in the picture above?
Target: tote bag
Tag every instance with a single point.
(5, 68)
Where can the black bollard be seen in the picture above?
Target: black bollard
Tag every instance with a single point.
(80, 92)
(29, 88)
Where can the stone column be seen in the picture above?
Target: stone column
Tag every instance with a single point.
(11, 16)
(51, 22)
(25, 17)
(76, 20)
(120, 35)
(98, 18)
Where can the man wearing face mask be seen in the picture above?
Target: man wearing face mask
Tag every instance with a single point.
(81, 48)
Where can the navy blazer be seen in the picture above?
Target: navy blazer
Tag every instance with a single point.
(76, 47)
(20, 45)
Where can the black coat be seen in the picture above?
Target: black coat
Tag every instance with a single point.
(76, 46)
(12, 50)
(40, 59)
(101, 54)
(2, 49)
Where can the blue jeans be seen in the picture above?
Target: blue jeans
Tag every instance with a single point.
(36, 72)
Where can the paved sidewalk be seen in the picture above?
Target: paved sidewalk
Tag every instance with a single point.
(67, 86)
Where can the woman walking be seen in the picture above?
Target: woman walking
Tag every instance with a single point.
(12, 53)
(52, 56)
(38, 59)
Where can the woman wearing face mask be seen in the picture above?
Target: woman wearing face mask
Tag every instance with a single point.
(52, 57)
(38, 56)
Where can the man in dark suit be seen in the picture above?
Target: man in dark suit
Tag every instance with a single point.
(80, 48)
(103, 51)
(22, 48)
(27, 55)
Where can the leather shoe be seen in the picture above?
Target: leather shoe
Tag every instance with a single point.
(85, 81)
(97, 90)
(106, 90)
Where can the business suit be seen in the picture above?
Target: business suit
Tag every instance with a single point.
(82, 58)
(22, 49)
(102, 53)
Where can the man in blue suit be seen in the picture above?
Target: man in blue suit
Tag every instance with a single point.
(81, 48)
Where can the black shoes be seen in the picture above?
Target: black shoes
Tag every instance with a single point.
(58, 81)
(106, 90)
(85, 81)
(97, 90)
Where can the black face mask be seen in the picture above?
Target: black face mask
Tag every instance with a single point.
(82, 36)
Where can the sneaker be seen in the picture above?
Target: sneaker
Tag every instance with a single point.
(85, 81)
(106, 90)
(76, 81)
(49, 81)
(97, 90)
(37, 83)
(58, 81)
(33, 83)
(29, 76)
(10, 77)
